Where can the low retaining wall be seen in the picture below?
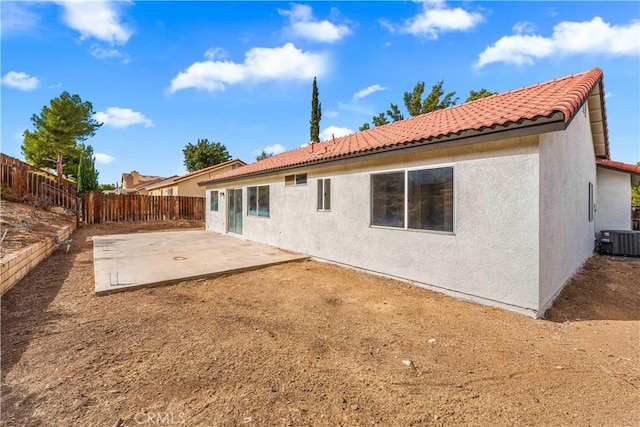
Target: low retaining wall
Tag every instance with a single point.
(16, 265)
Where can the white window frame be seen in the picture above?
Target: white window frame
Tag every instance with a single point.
(406, 198)
(295, 182)
(322, 203)
(257, 214)
(214, 195)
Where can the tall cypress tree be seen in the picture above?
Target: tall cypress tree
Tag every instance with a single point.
(316, 113)
(87, 174)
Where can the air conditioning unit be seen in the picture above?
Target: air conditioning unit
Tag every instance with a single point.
(620, 242)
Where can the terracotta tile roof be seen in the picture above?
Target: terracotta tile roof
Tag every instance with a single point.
(623, 167)
(151, 181)
(564, 95)
(209, 169)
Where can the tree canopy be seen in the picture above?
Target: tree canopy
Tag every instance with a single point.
(416, 103)
(482, 93)
(263, 155)
(58, 132)
(203, 154)
(87, 174)
(316, 113)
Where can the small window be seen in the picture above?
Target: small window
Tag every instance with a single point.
(258, 201)
(170, 192)
(297, 179)
(214, 201)
(324, 194)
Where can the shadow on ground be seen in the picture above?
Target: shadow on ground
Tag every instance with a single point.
(29, 299)
(606, 288)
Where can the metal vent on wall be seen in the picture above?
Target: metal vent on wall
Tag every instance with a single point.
(620, 242)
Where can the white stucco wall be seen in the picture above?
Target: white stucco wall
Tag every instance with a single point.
(567, 166)
(491, 258)
(614, 200)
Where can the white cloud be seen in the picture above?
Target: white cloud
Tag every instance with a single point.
(103, 158)
(17, 17)
(260, 64)
(334, 131)
(122, 117)
(97, 19)
(20, 80)
(435, 18)
(110, 53)
(271, 149)
(330, 114)
(524, 28)
(367, 91)
(215, 53)
(568, 38)
(303, 24)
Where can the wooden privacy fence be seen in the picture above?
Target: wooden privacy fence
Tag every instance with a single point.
(24, 180)
(99, 207)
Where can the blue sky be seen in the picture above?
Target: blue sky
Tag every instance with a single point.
(163, 74)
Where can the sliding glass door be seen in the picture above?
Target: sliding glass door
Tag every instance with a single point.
(234, 211)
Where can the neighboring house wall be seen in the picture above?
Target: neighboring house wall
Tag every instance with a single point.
(492, 257)
(171, 190)
(189, 187)
(567, 166)
(614, 200)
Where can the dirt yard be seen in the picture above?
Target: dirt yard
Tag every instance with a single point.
(312, 344)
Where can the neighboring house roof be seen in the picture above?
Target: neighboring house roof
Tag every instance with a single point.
(623, 167)
(157, 183)
(144, 184)
(552, 103)
(210, 169)
(164, 182)
(633, 170)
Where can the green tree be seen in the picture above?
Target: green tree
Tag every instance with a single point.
(635, 196)
(316, 113)
(58, 131)
(87, 179)
(436, 100)
(106, 187)
(394, 113)
(379, 120)
(364, 126)
(416, 105)
(263, 155)
(482, 93)
(203, 154)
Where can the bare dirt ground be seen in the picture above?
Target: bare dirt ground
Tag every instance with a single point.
(25, 225)
(312, 344)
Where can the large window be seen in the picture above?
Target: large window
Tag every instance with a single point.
(258, 204)
(214, 201)
(415, 199)
(324, 194)
(387, 199)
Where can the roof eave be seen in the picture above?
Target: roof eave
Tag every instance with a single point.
(539, 125)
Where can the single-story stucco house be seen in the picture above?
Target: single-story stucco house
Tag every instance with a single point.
(491, 201)
(187, 185)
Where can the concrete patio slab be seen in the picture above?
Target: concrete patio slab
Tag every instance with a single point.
(130, 261)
